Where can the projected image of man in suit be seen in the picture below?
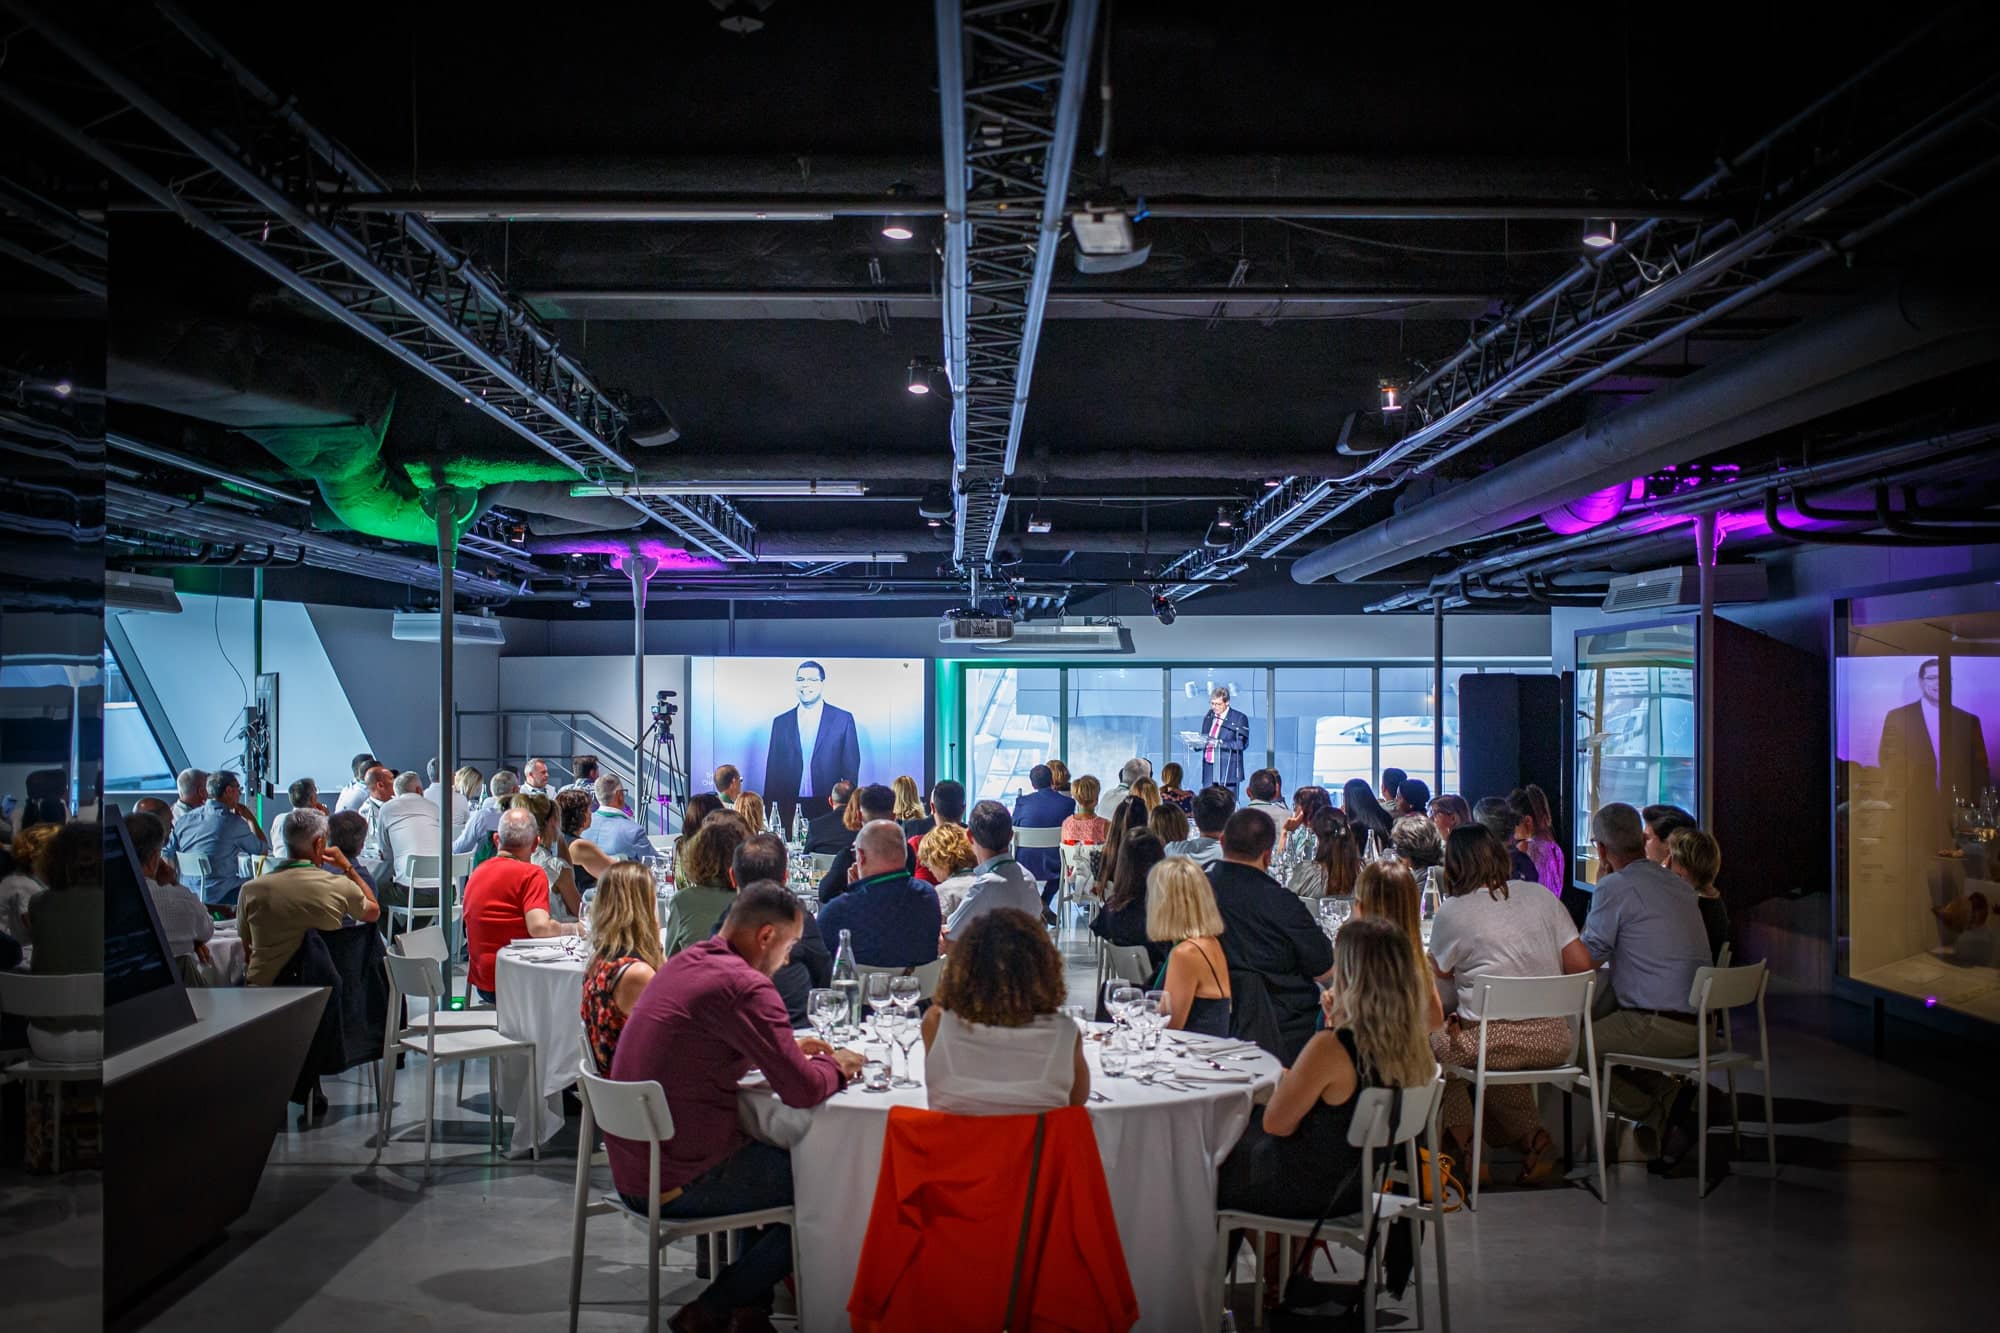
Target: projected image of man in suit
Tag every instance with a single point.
(813, 745)
(1936, 749)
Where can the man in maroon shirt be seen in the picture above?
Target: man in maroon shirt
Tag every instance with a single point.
(708, 1016)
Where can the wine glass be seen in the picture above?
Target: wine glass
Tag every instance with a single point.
(1125, 1001)
(905, 992)
(905, 1032)
(875, 995)
(825, 1007)
(1156, 1010)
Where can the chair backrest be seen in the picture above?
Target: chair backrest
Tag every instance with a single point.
(426, 943)
(246, 865)
(662, 842)
(822, 862)
(1370, 1127)
(1037, 837)
(628, 1110)
(421, 977)
(1722, 955)
(417, 868)
(197, 865)
(52, 994)
(1726, 987)
(1130, 962)
(1513, 998)
(927, 973)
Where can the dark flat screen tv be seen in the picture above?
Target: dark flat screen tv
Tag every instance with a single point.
(143, 994)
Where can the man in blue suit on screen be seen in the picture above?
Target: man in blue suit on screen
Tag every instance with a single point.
(812, 746)
(1042, 808)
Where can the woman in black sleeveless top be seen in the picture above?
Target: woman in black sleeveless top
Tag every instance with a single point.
(1180, 909)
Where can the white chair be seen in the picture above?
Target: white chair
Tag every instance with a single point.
(926, 973)
(1715, 992)
(422, 978)
(638, 1111)
(1510, 999)
(52, 995)
(415, 872)
(1079, 872)
(1369, 1131)
(1037, 839)
(429, 942)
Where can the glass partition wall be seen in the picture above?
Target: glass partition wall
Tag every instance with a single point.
(1319, 723)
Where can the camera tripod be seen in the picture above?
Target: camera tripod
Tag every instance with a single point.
(662, 780)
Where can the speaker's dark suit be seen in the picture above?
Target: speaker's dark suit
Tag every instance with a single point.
(836, 756)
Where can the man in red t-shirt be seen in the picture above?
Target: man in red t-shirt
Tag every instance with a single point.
(506, 899)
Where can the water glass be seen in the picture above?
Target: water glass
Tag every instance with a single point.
(875, 1076)
(1115, 1055)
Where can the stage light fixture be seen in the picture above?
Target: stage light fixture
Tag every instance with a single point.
(1392, 396)
(898, 226)
(648, 426)
(1163, 609)
(1223, 519)
(918, 380)
(1600, 233)
(1221, 533)
(935, 503)
(1039, 525)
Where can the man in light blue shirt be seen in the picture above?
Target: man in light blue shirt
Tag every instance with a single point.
(483, 823)
(1644, 921)
(615, 833)
(998, 880)
(219, 830)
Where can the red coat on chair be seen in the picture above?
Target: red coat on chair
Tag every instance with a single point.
(954, 1220)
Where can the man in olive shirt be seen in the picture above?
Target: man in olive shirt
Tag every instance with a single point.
(279, 907)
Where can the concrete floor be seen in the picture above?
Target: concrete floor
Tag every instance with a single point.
(1881, 1219)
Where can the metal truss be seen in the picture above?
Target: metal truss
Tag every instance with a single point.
(198, 134)
(1787, 204)
(50, 239)
(1011, 82)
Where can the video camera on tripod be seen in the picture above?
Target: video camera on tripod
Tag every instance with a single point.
(663, 707)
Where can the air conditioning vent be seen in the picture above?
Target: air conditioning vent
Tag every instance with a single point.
(1680, 586)
(139, 592)
(1066, 638)
(422, 627)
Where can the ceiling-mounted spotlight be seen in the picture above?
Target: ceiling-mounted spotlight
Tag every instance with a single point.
(918, 380)
(1039, 525)
(1600, 233)
(648, 426)
(1110, 237)
(1221, 534)
(1163, 609)
(517, 534)
(935, 506)
(899, 226)
(1223, 519)
(1392, 396)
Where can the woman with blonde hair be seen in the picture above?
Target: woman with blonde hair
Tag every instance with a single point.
(471, 784)
(1697, 858)
(751, 807)
(1386, 889)
(1086, 825)
(1180, 907)
(909, 801)
(624, 954)
(1146, 790)
(946, 852)
(1295, 1151)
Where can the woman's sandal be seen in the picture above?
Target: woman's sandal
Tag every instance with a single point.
(1543, 1165)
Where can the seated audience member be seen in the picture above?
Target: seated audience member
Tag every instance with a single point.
(997, 879)
(1448, 812)
(1497, 817)
(22, 886)
(1180, 910)
(1059, 771)
(191, 787)
(470, 783)
(1492, 925)
(1133, 769)
(573, 816)
(1385, 888)
(830, 832)
(1295, 835)
(1043, 807)
(183, 918)
(381, 790)
(766, 858)
(1212, 808)
(749, 808)
(946, 853)
(221, 830)
(618, 835)
(1171, 791)
(355, 793)
(346, 832)
(1392, 782)
(1295, 1153)
(729, 786)
(506, 899)
(890, 919)
(434, 790)
(304, 795)
(1168, 823)
(1534, 833)
(405, 826)
(1415, 839)
(535, 780)
(583, 774)
(947, 807)
(693, 815)
(1270, 934)
(1365, 816)
(565, 899)
(1697, 858)
(709, 1016)
(1413, 797)
(1646, 924)
(877, 803)
(1336, 858)
(624, 954)
(1086, 825)
(1122, 918)
(484, 820)
(160, 810)
(1662, 822)
(68, 920)
(47, 800)
(909, 802)
(1147, 790)
(316, 887)
(1127, 817)
(703, 888)
(995, 1041)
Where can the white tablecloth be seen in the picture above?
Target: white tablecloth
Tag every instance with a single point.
(225, 949)
(1161, 1150)
(541, 1003)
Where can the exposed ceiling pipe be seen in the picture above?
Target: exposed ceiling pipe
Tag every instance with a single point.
(1902, 336)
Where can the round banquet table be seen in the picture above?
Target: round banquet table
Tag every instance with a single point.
(541, 1002)
(225, 949)
(1161, 1149)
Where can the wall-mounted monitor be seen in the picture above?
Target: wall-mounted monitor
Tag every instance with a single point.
(143, 994)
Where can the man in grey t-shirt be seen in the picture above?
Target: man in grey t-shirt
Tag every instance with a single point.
(998, 880)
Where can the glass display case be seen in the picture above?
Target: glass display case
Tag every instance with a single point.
(1635, 726)
(1916, 710)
